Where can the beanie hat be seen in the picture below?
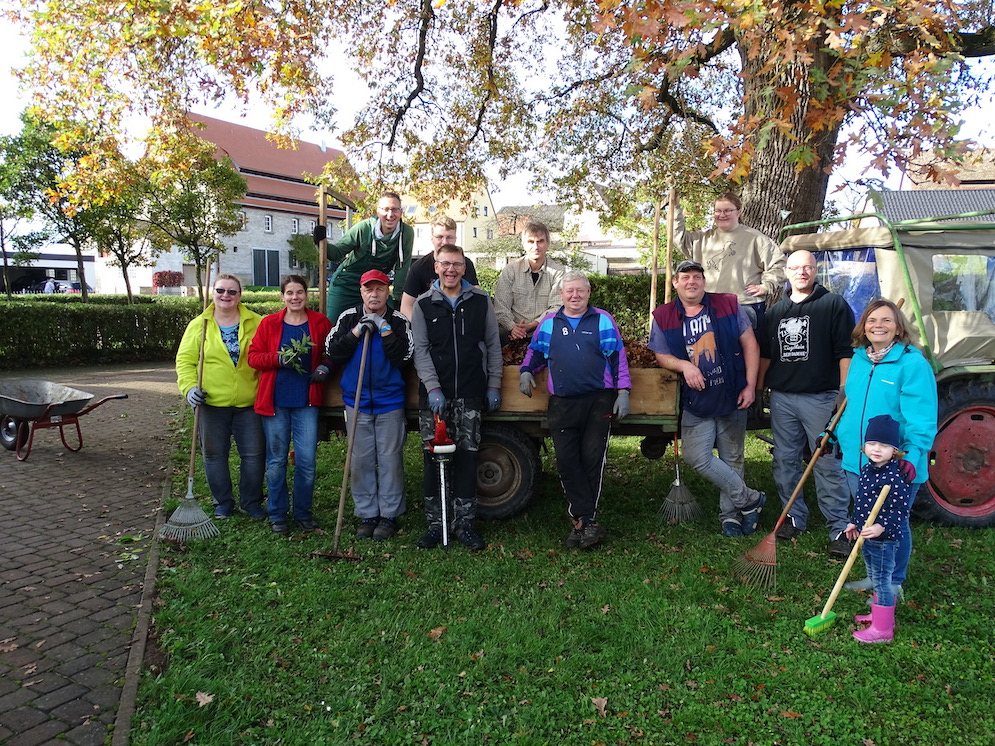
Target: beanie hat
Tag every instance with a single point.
(882, 429)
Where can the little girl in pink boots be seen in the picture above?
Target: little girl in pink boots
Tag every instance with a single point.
(881, 446)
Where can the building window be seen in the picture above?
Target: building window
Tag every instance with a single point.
(314, 224)
(245, 220)
(266, 267)
(485, 211)
(297, 226)
(474, 231)
(268, 223)
(490, 233)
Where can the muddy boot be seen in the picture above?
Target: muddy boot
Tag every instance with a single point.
(882, 627)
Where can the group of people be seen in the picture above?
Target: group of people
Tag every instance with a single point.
(263, 379)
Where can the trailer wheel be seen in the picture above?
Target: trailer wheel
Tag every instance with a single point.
(960, 490)
(11, 434)
(508, 470)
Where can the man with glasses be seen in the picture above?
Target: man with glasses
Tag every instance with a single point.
(458, 360)
(528, 288)
(739, 259)
(383, 242)
(804, 358)
(422, 273)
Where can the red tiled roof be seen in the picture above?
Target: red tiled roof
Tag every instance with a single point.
(275, 175)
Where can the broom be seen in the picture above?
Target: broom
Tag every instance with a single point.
(189, 521)
(823, 621)
(679, 505)
(759, 564)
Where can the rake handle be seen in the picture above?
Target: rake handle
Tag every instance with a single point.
(351, 440)
(811, 464)
(872, 516)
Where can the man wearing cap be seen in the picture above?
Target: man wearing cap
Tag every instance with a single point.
(379, 428)
(707, 339)
(528, 288)
(458, 359)
(805, 354)
(383, 242)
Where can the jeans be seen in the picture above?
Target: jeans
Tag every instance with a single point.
(880, 557)
(904, 551)
(300, 424)
(377, 469)
(794, 420)
(217, 426)
(579, 427)
(728, 434)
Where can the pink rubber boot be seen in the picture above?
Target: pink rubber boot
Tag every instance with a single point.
(882, 627)
(866, 618)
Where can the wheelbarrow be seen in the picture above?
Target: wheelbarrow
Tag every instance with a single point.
(26, 406)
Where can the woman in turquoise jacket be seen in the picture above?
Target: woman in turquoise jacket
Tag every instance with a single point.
(888, 375)
(226, 398)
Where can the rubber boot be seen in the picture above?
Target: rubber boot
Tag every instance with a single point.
(859, 585)
(882, 627)
(897, 590)
(866, 618)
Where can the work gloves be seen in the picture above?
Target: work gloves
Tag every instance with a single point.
(319, 374)
(493, 400)
(380, 324)
(526, 382)
(908, 470)
(196, 396)
(437, 401)
(621, 408)
(320, 234)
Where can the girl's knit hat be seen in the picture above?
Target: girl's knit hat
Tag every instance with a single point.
(882, 429)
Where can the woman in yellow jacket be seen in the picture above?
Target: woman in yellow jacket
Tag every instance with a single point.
(227, 397)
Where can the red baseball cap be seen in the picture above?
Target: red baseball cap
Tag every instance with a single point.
(374, 275)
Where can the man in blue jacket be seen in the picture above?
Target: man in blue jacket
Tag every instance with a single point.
(707, 339)
(378, 442)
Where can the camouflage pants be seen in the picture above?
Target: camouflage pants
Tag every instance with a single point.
(460, 468)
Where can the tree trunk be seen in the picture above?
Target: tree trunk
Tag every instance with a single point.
(777, 193)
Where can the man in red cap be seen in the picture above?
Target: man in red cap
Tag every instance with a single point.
(378, 440)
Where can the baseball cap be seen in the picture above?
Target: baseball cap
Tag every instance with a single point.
(374, 275)
(689, 265)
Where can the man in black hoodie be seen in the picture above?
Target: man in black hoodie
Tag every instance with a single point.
(804, 358)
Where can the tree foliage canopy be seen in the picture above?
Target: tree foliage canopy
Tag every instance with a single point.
(769, 95)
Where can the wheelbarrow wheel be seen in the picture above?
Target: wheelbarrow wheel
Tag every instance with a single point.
(12, 436)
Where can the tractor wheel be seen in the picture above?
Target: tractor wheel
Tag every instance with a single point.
(961, 486)
(508, 470)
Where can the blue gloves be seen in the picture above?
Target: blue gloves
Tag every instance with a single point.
(437, 401)
(319, 374)
(526, 382)
(196, 396)
(621, 408)
(493, 400)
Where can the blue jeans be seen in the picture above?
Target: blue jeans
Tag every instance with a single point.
(301, 424)
(880, 557)
(728, 435)
(218, 425)
(904, 552)
(794, 420)
(377, 470)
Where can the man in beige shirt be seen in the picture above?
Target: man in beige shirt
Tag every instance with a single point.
(528, 287)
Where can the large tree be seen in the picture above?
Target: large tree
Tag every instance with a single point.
(769, 95)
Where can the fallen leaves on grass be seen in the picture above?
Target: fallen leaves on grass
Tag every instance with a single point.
(599, 704)
(203, 698)
(436, 633)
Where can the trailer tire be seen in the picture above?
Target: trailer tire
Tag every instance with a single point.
(960, 490)
(12, 435)
(508, 470)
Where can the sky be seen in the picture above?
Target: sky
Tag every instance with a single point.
(514, 190)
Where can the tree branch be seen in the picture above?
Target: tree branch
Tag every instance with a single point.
(979, 44)
(425, 21)
(492, 29)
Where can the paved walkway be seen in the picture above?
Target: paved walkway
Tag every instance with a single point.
(75, 546)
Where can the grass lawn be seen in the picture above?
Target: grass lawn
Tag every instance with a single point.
(646, 639)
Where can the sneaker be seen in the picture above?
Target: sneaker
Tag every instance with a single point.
(787, 532)
(469, 538)
(573, 540)
(308, 524)
(731, 528)
(591, 534)
(220, 514)
(385, 529)
(840, 547)
(279, 527)
(432, 537)
(366, 527)
(257, 514)
(751, 516)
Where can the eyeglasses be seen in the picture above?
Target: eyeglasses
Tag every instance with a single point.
(454, 265)
(804, 268)
(724, 212)
(230, 291)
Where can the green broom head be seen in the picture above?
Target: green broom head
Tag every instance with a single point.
(819, 623)
(189, 522)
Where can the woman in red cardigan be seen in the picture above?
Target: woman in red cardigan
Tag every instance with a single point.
(287, 350)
